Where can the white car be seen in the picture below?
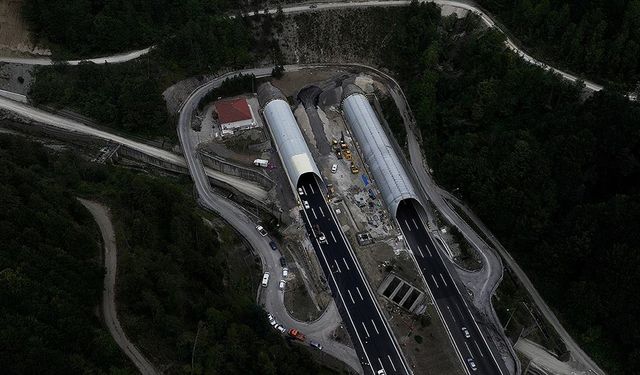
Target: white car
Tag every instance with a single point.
(334, 168)
(260, 229)
(280, 328)
(322, 238)
(381, 372)
(285, 272)
(306, 205)
(265, 279)
(466, 333)
(300, 191)
(281, 285)
(472, 364)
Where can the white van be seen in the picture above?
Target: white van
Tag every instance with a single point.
(265, 279)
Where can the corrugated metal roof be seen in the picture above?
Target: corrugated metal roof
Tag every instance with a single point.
(384, 164)
(288, 138)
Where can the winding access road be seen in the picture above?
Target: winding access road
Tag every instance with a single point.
(245, 226)
(303, 8)
(273, 299)
(101, 215)
(29, 112)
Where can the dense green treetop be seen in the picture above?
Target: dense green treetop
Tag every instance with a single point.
(555, 176)
(173, 276)
(597, 38)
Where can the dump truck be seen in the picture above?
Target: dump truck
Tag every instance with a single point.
(354, 168)
(296, 334)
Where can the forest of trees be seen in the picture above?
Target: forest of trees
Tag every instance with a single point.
(597, 38)
(128, 96)
(172, 275)
(556, 177)
(50, 273)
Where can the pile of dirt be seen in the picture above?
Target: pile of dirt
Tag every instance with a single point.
(14, 35)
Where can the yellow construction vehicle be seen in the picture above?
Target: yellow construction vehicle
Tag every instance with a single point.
(354, 168)
(346, 153)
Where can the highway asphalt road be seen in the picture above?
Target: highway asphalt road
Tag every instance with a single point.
(242, 223)
(374, 341)
(471, 345)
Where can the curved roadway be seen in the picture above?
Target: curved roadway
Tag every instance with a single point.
(101, 216)
(38, 115)
(302, 8)
(236, 217)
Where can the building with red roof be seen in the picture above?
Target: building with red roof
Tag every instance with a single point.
(234, 114)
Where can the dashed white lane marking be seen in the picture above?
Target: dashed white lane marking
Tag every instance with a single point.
(442, 277)
(420, 250)
(304, 190)
(311, 187)
(381, 366)
(358, 290)
(352, 300)
(478, 346)
(338, 266)
(459, 311)
(468, 349)
(345, 264)
(450, 312)
(407, 224)
(434, 280)
(321, 212)
(414, 223)
(333, 236)
(314, 213)
(374, 326)
(390, 361)
(429, 250)
(365, 329)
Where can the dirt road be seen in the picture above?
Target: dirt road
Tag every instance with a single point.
(101, 215)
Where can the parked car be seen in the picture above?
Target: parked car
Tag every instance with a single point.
(281, 285)
(382, 372)
(261, 230)
(466, 333)
(280, 328)
(285, 272)
(316, 345)
(265, 279)
(283, 262)
(273, 245)
(334, 168)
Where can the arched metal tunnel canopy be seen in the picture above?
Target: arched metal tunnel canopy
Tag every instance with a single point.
(388, 172)
(288, 138)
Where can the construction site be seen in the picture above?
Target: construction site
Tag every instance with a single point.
(315, 98)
